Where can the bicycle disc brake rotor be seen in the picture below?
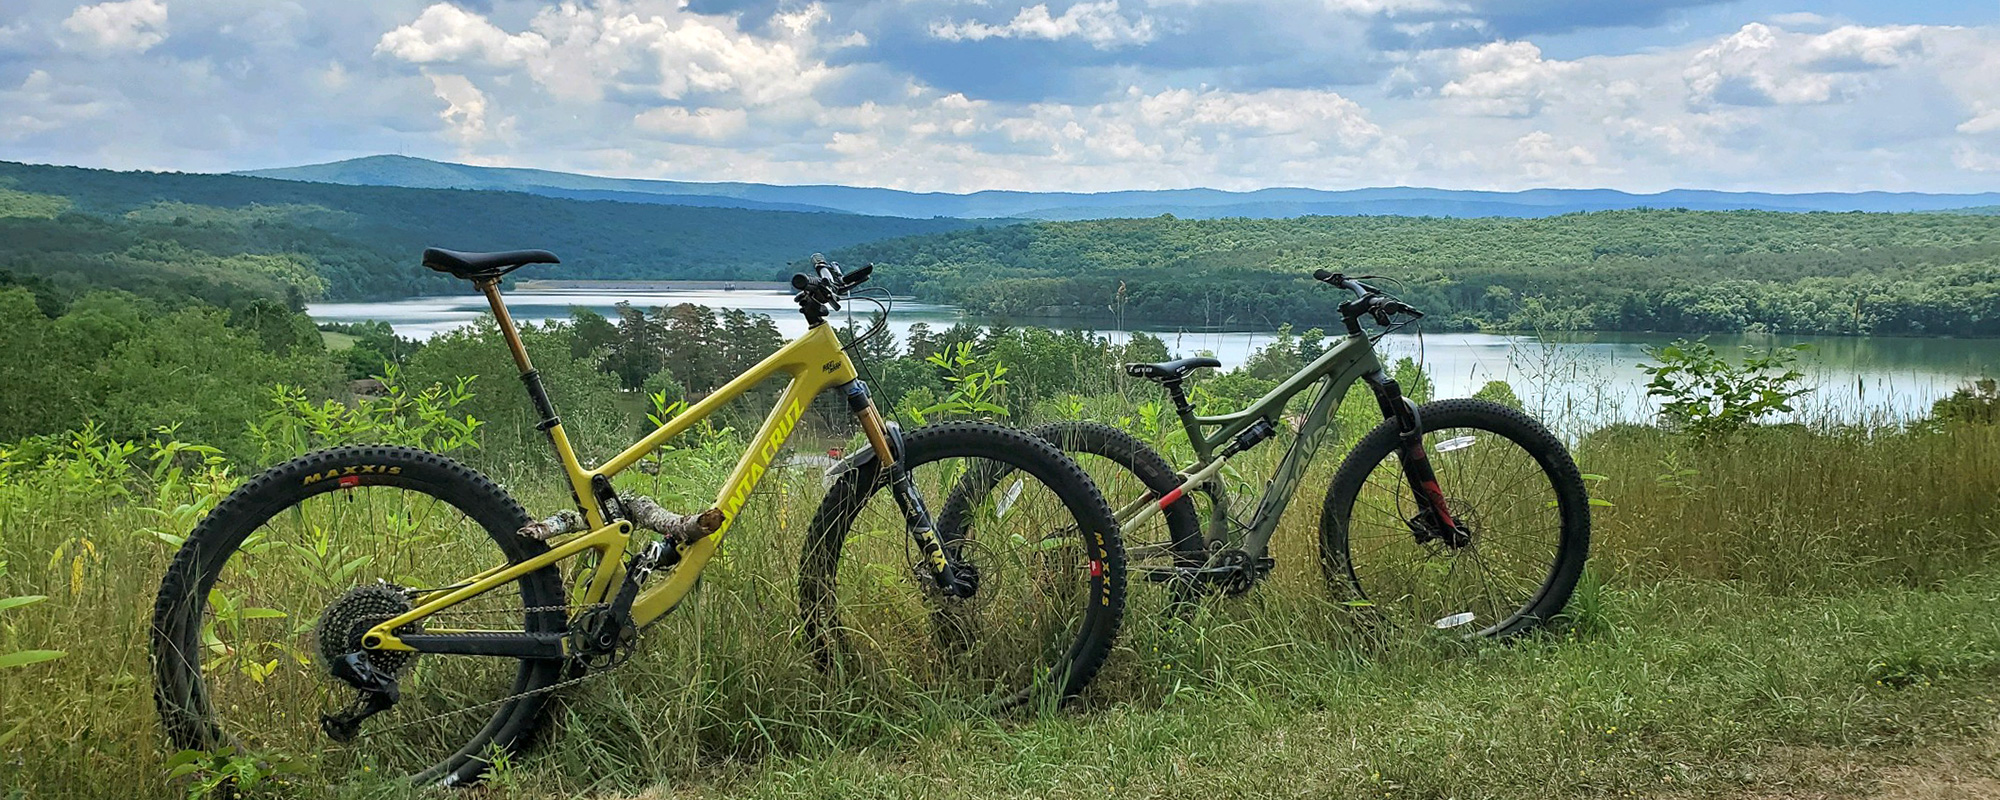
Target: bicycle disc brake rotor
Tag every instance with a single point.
(976, 565)
(343, 623)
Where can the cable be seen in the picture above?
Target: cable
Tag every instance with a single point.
(884, 303)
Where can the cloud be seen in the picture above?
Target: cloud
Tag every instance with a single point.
(708, 124)
(1498, 79)
(1764, 65)
(1098, 23)
(465, 107)
(579, 53)
(1145, 94)
(1540, 156)
(447, 33)
(1986, 121)
(40, 105)
(133, 26)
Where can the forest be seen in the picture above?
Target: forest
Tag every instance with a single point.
(217, 237)
(1652, 270)
(230, 240)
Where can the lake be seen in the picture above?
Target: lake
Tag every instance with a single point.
(1584, 379)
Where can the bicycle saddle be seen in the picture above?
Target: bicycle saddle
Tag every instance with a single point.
(484, 265)
(1167, 371)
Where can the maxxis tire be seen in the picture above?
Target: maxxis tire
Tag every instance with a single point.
(178, 610)
(820, 561)
(1573, 544)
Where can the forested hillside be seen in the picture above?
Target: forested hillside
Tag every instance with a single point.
(216, 237)
(1667, 270)
(1194, 203)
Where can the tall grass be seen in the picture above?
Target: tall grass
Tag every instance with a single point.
(1742, 596)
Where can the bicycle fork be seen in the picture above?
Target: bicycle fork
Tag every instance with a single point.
(951, 578)
(1434, 519)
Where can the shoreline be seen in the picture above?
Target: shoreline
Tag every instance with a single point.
(537, 285)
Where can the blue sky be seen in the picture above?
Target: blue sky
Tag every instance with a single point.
(960, 95)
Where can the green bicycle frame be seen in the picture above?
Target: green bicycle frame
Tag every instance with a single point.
(1351, 358)
(814, 363)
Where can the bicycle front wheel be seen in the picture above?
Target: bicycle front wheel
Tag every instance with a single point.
(1027, 526)
(1519, 501)
(294, 566)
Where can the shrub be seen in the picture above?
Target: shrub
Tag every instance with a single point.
(1708, 396)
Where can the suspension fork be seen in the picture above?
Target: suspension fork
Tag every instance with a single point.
(887, 441)
(1433, 512)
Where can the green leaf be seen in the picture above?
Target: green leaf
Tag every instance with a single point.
(17, 602)
(1601, 502)
(26, 657)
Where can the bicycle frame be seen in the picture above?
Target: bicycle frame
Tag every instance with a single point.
(1351, 358)
(814, 362)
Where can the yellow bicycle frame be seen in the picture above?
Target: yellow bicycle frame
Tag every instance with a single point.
(814, 363)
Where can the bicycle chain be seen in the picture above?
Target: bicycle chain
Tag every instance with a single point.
(510, 698)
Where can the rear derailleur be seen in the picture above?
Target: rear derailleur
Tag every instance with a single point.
(374, 673)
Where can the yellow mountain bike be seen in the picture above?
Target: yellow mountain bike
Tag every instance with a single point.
(390, 608)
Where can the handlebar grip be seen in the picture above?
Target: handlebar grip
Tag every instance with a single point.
(818, 260)
(1322, 275)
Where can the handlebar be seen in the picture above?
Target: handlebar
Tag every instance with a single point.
(1340, 281)
(1368, 301)
(822, 291)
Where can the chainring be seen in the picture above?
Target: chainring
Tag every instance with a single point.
(347, 619)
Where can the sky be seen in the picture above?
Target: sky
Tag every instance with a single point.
(1077, 95)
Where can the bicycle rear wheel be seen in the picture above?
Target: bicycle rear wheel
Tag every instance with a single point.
(1511, 485)
(288, 571)
(1131, 475)
(1035, 535)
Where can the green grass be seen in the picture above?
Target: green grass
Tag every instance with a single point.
(336, 341)
(1801, 592)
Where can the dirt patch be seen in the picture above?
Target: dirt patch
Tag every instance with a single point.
(1967, 770)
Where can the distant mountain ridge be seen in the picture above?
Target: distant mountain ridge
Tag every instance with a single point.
(182, 234)
(405, 171)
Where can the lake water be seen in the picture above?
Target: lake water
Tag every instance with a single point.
(1583, 379)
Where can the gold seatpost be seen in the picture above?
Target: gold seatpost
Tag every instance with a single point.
(579, 480)
(491, 288)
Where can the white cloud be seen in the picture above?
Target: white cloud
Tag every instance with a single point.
(1986, 121)
(651, 88)
(132, 26)
(1764, 65)
(1504, 79)
(465, 107)
(1098, 23)
(42, 105)
(578, 53)
(1967, 157)
(447, 33)
(1540, 156)
(709, 124)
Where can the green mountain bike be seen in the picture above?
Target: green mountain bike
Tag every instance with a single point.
(1461, 514)
(389, 609)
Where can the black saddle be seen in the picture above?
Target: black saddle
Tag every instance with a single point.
(1170, 371)
(476, 266)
